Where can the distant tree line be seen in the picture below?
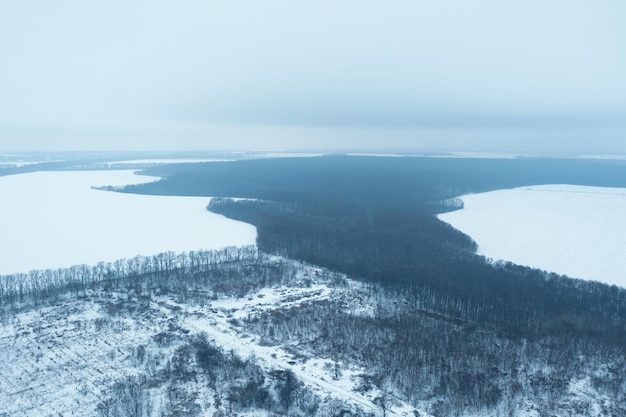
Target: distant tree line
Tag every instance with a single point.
(374, 181)
(374, 219)
(166, 270)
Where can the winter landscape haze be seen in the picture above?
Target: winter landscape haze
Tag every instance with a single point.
(170, 313)
(350, 208)
(573, 230)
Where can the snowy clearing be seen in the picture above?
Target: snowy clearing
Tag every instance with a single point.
(55, 219)
(574, 230)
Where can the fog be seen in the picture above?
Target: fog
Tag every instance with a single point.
(451, 74)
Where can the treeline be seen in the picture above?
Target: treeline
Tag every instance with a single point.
(164, 270)
(181, 373)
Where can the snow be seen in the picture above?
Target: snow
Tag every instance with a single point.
(18, 164)
(503, 155)
(380, 155)
(482, 155)
(231, 157)
(219, 321)
(55, 219)
(62, 359)
(166, 161)
(287, 154)
(618, 156)
(579, 231)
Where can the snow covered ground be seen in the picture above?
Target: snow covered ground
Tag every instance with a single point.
(55, 219)
(62, 359)
(574, 230)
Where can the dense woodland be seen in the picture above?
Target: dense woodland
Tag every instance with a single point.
(447, 366)
(374, 219)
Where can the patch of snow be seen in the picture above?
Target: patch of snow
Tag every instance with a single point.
(17, 164)
(55, 363)
(502, 155)
(55, 219)
(382, 155)
(260, 155)
(482, 155)
(579, 231)
(219, 322)
(619, 156)
(114, 164)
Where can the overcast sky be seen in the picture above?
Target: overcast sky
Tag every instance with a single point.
(528, 75)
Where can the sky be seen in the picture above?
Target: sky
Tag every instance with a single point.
(521, 76)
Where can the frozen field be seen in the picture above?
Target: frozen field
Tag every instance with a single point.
(573, 230)
(55, 219)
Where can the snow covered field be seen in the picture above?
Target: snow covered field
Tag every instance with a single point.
(574, 230)
(55, 219)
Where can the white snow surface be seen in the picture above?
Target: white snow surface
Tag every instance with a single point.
(578, 231)
(55, 219)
